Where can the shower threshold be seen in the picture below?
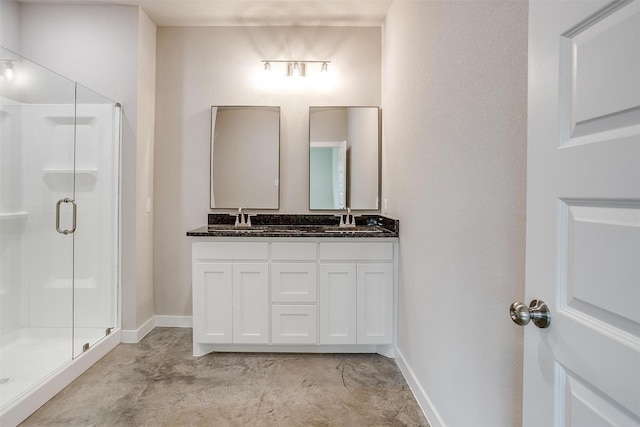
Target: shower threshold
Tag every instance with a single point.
(29, 355)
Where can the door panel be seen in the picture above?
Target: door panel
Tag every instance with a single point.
(375, 303)
(606, 80)
(599, 69)
(588, 407)
(251, 303)
(48, 178)
(603, 270)
(338, 304)
(583, 214)
(96, 236)
(212, 305)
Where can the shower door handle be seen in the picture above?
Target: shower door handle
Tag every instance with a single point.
(73, 224)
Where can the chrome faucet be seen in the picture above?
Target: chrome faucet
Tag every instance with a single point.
(348, 220)
(242, 220)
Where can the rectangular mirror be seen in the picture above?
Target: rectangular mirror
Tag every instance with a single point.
(344, 158)
(245, 157)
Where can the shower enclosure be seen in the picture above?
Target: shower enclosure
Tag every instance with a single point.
(59, 222)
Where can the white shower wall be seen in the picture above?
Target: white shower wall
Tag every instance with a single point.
(12, 219)
(36, 281)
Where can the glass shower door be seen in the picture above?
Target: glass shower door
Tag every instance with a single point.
(96, 235)
(37, 110)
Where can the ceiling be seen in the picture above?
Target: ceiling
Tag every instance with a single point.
(254, 12)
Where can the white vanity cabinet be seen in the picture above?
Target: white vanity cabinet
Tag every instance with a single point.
(294, 294)
(356, 293)
(230, 292)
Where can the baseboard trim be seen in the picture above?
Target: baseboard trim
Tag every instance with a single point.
(174, 321)
(420, 394)
(130, 336)
(135, 335)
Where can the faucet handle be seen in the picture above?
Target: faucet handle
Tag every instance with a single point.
(243, 219)
(240, 218)
(347, 219)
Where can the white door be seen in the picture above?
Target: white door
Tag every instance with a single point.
(337, 304)
(212, 302)
(375, 303)
(583, 214)
(251, 303)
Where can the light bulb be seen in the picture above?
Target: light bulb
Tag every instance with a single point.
(8, 72)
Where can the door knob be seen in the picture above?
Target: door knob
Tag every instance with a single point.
(537, 311)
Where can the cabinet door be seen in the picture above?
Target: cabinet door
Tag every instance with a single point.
(375, 303)
(337, 304)
(251, 303)
(212, 303)
(293, 282)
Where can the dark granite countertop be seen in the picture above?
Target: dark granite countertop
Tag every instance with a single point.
(292, 225)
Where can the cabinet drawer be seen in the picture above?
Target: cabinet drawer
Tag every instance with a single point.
(356, 251)
(293, 282)
(231, 250)
(293, 324)
(287, 251)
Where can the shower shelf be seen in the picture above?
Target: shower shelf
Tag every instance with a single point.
(12, 220)
(58, 179)
(12, 215)
(92, 172)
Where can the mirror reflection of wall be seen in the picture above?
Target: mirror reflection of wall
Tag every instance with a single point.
(327, 172)
(344, 158)
(245, 157)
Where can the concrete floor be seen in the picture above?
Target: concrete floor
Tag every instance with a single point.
(158, 383)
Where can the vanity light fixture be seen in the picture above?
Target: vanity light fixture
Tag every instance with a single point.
(296, 67)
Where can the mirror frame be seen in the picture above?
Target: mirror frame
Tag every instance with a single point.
(211, 151)
(379, 163)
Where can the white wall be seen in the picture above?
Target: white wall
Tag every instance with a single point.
(92, 45)
(110, 49)
(454, 124)
(13, 162)
(203, 66)
(328, 125)
(10, 25)
(146, 86)
(363, 140)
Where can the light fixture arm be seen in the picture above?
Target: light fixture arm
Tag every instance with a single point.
(296, 60)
